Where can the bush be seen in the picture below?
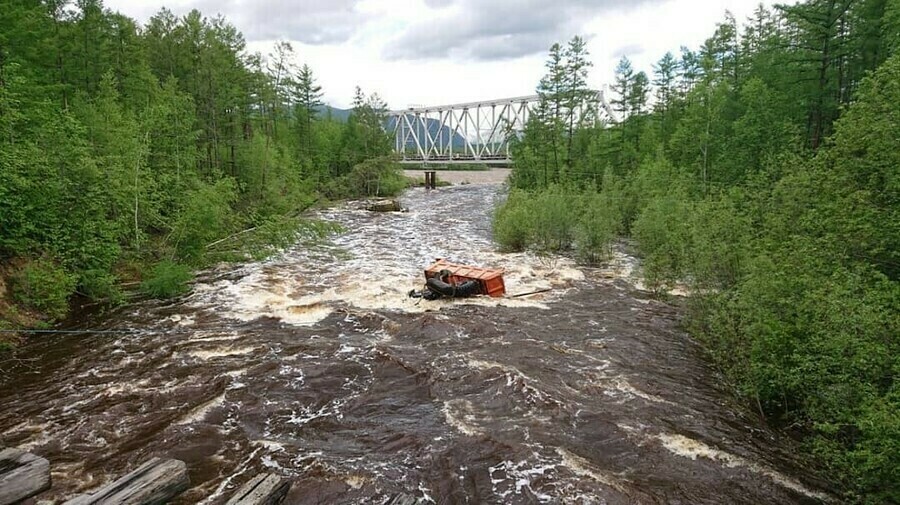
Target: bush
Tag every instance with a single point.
(596, 229)
(663, 231)
(206, 216)
(720, 239)
(512, 222)
(555, 213)
(100, 285)
(601, 220)
(44, 286)
(167, 280)
(376, 177)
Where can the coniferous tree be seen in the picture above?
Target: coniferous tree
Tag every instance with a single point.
(307, 96)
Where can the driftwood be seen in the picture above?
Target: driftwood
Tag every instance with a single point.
(536, 292)
(264, 489)
(22, 475)
(153, 483)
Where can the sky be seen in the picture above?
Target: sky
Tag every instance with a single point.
(436, 52)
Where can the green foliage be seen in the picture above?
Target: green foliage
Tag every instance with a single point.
(512, 222)
(126, 144)
(167, 280)
(765, 180)
(44, 286)
(553, 228)
(601, 221)
(204, 218)
(663, 232)
(557, 219)
(376, 177)
(100, 285)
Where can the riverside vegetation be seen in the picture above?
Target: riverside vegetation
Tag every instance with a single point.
(764, 176)
(131, 155)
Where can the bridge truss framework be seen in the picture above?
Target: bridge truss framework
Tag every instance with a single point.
(474, 132)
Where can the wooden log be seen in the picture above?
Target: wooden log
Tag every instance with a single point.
(22, 475)
(264, 489)
(153, 483)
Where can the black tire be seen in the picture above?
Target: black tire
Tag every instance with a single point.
(463, 290)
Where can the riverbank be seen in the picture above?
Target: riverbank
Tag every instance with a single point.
(316, 366)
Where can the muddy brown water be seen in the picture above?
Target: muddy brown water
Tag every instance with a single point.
(315, 365)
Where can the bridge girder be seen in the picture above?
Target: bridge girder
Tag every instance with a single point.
(474, 132)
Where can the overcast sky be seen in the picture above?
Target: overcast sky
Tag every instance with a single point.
(433, 52)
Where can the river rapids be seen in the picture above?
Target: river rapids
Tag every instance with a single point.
(315, 365)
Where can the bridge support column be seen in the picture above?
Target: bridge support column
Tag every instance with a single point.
(430, 179)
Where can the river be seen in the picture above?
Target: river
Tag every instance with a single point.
(315, 365)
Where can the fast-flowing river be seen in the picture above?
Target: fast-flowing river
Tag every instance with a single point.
(316, 366)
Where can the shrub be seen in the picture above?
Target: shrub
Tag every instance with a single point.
(100, 285)
(44, 286)
(206, 216)
(512, 222)
(596, 229)
(167, 280)
(601, 220)
(662, 231)
(555, 213)
(376, 177)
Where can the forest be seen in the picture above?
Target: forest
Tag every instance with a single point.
(760, 174)
(131, 155)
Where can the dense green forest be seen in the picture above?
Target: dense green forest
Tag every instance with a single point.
(760, 172)
(127, 149)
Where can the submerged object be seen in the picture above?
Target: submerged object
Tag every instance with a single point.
(463, 280)
(445, 288)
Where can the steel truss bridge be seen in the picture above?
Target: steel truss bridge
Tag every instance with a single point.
(475, 132)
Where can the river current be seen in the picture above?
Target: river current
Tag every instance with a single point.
(316, 365)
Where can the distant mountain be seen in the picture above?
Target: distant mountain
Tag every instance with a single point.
(335, 113)
(439, 132)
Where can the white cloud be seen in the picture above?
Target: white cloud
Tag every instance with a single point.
(453, 54)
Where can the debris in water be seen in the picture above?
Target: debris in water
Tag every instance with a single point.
(445, 279)
(384, 206)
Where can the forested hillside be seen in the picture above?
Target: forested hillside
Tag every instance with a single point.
(761, 173)
(127, 152)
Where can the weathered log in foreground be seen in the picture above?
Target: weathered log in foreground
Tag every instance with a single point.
(153, 483)
(22, 475)
(264, 489)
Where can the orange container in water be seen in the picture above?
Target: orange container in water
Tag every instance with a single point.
(491, 280)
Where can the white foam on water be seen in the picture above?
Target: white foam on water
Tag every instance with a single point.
(181, 320)
(214, 338)
(379, 259)
(693, 449)
(356, 481)
(426, 493)
(623, 386)
(584, 468)
(270, 445)
(459, 414)
(514, 478)
(221, 352)
(41, 434)
(223, 486)
(199, 413)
